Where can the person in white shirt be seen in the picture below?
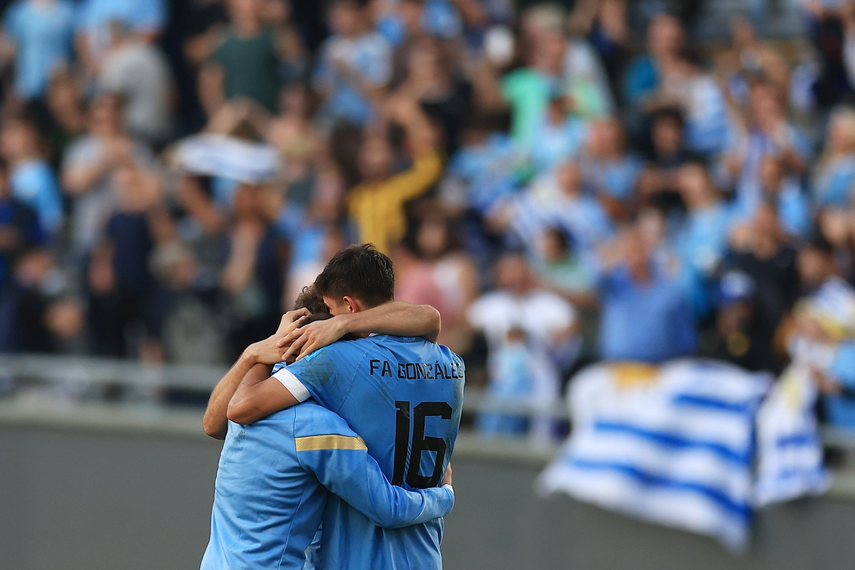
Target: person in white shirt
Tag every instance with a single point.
(548, 321)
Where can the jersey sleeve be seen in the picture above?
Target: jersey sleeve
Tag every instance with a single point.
(325, 375)
(342, 464)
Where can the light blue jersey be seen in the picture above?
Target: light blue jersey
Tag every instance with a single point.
(404, 397)
(272, 484)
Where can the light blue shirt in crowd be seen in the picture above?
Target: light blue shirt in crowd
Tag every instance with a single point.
(439, 19)
(648, 322)
(404, 397)
(616, 178)
(34, 183)
(553, 144)
(43, 34)
(94, 18)
(832, 184)
(581, 217)
(370, 56)
(272, 487)
(794, 209)
(708, 120)
(840, 409)
(702, 239)
(483, 173)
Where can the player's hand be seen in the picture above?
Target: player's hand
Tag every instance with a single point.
(446, 479)
(307, 339)
(267, 351)
(290, 321)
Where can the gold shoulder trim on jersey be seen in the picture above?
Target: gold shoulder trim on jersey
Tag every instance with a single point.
(324, 442)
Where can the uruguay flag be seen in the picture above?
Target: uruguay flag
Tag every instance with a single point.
(672, 445)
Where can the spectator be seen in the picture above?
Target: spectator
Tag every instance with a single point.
(40, 34)
(120, 282)
(765, 131)
(555, 65)
(548, 321)
(823, 341)
(66, 115)
(645, 74)
(376, 206)
(667, 154)
(246, 62)
(761, 252)
(254, 275)
(295, 136)
(605, 25)
(703, 104)
(401, 20)
(136, 70)
(702, 240)
(607, 169)
(145, 18)
(19, 229)
(750, 57)
(737, 326)
(30, 177)
(436, 271)
(42, 315)
(646, 313)
(354, 66)
(556, 200)
(192, 328)
(202, 229)
(88, 166)
(835, 173)
(481, 172)
(784, 192)
(432, 80)
(559, 136)
(515, 373)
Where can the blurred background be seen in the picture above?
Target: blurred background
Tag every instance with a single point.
(569, 183)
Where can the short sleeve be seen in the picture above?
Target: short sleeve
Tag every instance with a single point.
(292, 384)
(325, 375)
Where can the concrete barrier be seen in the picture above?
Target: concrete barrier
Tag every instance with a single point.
(102, 488)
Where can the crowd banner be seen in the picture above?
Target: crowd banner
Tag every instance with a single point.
(789, 454)
(672, 444)
(227, 157)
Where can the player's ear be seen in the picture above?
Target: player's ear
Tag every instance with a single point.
(353, 305)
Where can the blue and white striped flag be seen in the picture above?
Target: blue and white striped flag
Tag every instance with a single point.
(672, 445)
(789, 458)
(227, 157)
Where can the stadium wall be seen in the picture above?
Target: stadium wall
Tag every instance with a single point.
(137, 494)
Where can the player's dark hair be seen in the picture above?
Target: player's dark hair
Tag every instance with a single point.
(309, 299)
(358, 271)
(313, 318)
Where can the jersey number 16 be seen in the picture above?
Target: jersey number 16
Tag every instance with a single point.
(420, 443)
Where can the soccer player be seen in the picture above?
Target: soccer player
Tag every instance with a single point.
(395, 318)
(272, 484)
(403, 395)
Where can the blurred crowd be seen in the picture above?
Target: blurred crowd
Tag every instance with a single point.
(565, 183)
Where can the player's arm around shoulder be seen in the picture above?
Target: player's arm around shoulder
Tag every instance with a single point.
(286, 387)
(254, 400)
(339, 458)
